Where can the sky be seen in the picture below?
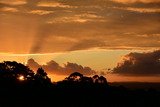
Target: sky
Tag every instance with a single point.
(98, 34)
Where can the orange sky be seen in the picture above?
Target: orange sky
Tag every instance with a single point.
(116, 78)
(94, 33)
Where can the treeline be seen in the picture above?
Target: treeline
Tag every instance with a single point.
(13, 73)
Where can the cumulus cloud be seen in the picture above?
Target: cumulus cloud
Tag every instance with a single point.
(33, 64)
(139, 64)
(53, 67)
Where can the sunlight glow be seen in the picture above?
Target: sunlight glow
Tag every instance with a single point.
(21, 78)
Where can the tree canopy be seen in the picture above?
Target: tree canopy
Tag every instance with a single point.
(13, 72)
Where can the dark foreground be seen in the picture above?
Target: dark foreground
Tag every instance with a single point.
(77, 95)
(21, 87)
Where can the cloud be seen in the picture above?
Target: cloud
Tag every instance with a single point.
(40, 12)
(53, 4)
(78, 18)
(53, 67)
(139, 64)
(140, 10)
(68, 20)
(88, 44)
(9, 9)
(33, 64)
(134, 1)
(13, 2)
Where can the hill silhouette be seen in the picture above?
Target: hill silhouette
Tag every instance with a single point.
(20, 86)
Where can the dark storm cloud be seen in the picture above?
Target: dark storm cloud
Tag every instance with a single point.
(69, 25)
(139, 64)
(53, 67)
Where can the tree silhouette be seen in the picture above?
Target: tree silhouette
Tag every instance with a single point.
(99, 79)
(95, 78)
(85, 79)
(42, 78)
(102, 80)
(11, 71)
(41, 73)
(76, 76)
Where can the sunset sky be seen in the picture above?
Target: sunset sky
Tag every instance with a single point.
(83, 35)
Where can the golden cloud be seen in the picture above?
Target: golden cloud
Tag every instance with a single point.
(134, 1)
(53, 67)
(68, 20)
(78, 18)
(53, 4)
(40, 12)
(140, 10)
(13, 2)
(9, 9)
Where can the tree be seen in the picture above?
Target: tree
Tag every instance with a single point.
(76, 76)
(99, 79)
(41, 77)
(13, 71)
(95, 78)
(42, 73)
(85, 79)
(102, 80)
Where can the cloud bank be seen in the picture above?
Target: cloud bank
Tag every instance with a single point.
(139, 64)
(53, 67)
